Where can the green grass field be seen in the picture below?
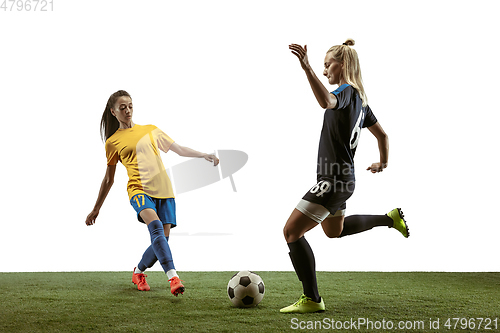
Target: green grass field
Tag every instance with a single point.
(109, 302)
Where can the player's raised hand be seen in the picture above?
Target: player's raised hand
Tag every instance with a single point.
(212, 158)
(301, 53)
(91, 217)
(377, 167)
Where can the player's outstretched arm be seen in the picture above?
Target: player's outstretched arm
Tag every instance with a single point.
(325, 99)
(383, 147)
(106, 184)
(188, 152)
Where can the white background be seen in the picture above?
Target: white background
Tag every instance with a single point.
(219, 75)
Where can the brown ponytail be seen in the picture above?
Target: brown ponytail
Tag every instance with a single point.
(109, 123)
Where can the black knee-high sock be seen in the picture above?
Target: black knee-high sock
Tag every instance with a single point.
(305, 267)
(358, 223)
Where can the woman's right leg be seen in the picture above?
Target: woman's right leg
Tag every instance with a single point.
(149, 257)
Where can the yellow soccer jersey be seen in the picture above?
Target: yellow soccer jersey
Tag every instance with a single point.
(137, 149)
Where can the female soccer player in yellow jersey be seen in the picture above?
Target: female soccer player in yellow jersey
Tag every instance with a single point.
(149, 188)
(347, 112)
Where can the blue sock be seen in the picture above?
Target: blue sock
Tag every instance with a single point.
(148, 258)
(160, 245)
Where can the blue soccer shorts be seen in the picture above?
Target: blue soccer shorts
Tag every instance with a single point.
(164, 208)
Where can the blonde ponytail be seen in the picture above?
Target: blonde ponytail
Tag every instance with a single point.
(351, 71)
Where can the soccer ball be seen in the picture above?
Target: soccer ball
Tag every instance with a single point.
(245, 289)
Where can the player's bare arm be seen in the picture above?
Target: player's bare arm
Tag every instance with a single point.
(106, 184)
(325, 99)
(383, 147)
(188, 152)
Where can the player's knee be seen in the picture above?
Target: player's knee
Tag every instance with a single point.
(333, 226)
(333, 231)
(289, 235)
(332, 234)
(286, 233)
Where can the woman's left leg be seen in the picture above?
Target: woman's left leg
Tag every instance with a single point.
(303, 261)
(161, 249)
(158, 239)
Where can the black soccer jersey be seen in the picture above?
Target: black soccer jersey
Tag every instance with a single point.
(340, 134)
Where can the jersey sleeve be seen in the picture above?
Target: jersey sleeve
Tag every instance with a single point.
(163, 140)
(111, 153)
(370, 118)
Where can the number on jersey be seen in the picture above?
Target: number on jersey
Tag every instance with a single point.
(356, 131)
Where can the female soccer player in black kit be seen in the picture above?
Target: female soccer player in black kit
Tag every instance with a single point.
(347, 112)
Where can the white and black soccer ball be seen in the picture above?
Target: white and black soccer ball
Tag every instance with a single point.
(245, 289)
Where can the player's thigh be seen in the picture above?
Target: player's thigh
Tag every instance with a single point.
(145, 207)
(333, 226)
(297, 225)
(148, 215)
(166, 229)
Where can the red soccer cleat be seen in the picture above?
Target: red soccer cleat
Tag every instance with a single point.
(140, 280)
(176, 286)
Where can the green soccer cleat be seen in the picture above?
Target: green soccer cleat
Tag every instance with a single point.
(304, 305)
(399, 221)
